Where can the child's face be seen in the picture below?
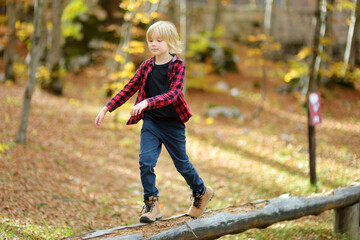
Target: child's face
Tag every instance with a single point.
(157, 45)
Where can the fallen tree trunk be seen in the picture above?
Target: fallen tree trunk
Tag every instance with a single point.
(232, 220)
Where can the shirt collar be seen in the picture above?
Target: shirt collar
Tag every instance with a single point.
(175, 57)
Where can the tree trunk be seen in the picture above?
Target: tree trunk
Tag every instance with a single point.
(267, 25)
(269, 4)
(233, 220)
(37, 48)
(184, 30)
(350, 38)
(329, 33)
(189, 12)
(355, 43)
(10, 50)
(54, 53)
(217, 15)
(172, 12)
(126, 38)
(313, 76)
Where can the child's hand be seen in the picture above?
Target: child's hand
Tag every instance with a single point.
(100, 117)
(138, 108)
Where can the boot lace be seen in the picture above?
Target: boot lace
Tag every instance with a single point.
(197, 200)
(148, 206)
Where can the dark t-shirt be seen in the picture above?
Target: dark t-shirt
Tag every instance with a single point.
(157, 83)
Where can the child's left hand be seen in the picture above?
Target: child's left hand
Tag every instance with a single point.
(138, 108)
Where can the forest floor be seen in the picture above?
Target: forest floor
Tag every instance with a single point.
(70, 178)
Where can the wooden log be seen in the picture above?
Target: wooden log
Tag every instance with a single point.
(347, 220)
(223, 222)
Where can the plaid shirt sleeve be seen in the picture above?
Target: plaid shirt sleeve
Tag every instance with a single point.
(129, 89)
(177, 82)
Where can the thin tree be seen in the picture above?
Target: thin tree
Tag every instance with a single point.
(269, 6)
(354, 41)
(145, 7)
(10, 50)
(186, 7)
(54, 52)
(216, 16)
(320, 28)
(171, 11)
(183, 30)
(268, 13)
(36, 50)
(329, 33)
(350, 38)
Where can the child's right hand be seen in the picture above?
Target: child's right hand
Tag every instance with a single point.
(100, 117)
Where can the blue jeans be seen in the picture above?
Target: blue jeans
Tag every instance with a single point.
(153, 135)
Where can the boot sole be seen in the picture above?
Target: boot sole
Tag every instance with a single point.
(149, 220)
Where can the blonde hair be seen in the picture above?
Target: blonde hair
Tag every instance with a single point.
(166, 31)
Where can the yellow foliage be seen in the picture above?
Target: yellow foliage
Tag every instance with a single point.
(293, 73)
(259, 37)
(154, 15)
(219, 31)
(134, 47)
(130, 66)
(23, 30)
(42, 74)
(74, 101)
(146, 20)
(326, 41)
(324, 56)
(20, 69)
(116, 86)
(345, 4)
(253, 52)
(127, 73)
(196, 118)
(209, 121)
(330, 7)
(139, 15)
(348, 21)
(304, 53)
(119, 58)
(3, 19)
(276, 46)
(9, 83)
(142, 17)
(325, 72)
(252, 38)
(3, 147)
(297, 70)
(355, 75)
(337, 69)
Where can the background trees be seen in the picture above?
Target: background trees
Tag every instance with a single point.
(66, 35)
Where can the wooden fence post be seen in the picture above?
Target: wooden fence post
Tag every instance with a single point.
(347, 220)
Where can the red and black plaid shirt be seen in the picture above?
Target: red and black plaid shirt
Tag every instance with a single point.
(173, 96)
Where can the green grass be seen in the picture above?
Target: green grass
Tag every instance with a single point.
(18, 229)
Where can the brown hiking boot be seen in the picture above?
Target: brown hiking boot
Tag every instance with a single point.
(151, 210)
(200, 202)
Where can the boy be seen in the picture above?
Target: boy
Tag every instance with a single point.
(161, 105)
